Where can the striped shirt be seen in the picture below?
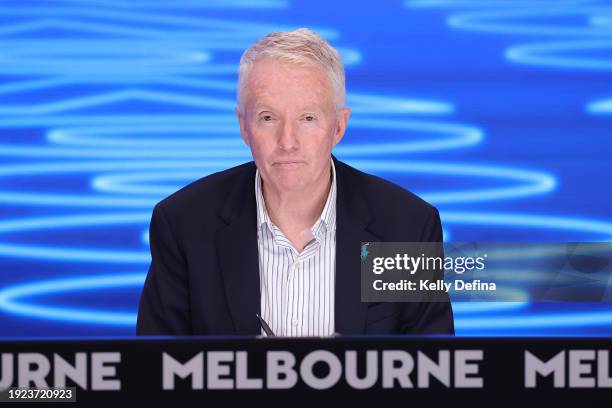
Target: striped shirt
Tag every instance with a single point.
(297, 289)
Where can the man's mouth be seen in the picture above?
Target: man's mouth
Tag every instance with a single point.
(288, 162)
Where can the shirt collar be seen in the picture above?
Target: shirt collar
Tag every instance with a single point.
(325, 222)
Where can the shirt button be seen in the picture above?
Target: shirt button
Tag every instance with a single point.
(295, 323)
(297, 265)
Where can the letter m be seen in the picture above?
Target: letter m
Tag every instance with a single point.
(193, 368)
(534, 366)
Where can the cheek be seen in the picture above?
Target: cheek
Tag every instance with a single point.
(321, 134)
(318, 153)
(324, 139)
(261, 142)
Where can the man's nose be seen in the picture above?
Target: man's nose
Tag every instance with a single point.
(287, 139)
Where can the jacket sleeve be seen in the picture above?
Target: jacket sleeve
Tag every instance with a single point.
(164, 302)
(432, 317)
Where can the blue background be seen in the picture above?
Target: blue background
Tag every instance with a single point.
(497, 112)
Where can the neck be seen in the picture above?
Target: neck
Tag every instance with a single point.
(295, 212)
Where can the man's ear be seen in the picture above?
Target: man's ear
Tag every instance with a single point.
(242, 122)
(341, 124)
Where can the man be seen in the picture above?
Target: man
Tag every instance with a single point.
(280, 237)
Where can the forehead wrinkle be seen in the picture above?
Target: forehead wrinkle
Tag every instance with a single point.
(266, 100)
(266, 86)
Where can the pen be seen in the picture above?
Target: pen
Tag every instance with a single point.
(264, 326)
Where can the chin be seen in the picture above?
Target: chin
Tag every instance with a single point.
(290, 182)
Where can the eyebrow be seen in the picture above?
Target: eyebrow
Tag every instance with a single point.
(259, 108)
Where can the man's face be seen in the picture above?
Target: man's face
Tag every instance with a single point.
(290, 123)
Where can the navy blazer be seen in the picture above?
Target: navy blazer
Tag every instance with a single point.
(204, 274)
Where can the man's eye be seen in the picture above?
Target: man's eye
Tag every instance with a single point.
(266, 118)
(309, 118)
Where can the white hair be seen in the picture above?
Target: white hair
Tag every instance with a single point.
(302, 47)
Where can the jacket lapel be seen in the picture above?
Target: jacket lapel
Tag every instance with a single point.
(237, 253)
(352, 220)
